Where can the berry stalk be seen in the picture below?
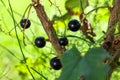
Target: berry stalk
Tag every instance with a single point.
(48, 27)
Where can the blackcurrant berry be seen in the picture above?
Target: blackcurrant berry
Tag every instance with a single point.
(40, 42)
(74, 25)
(55, 63)
(25, 23)
(63, 41)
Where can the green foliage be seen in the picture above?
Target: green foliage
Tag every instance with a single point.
(73, 7)
(76, 6)
(37, 60)
(91, 66)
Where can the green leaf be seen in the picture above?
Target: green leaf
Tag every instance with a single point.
(91, 66)
(76, 6)
(62, 18)
(95, 58)
(70, 61)
(95, 55)
(73, 7)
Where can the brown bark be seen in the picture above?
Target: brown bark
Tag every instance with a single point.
(110, 37)
(48, 27)
(113, 20)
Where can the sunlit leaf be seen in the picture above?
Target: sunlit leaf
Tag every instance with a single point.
(61, 18)
(76, 6)
(73, 7)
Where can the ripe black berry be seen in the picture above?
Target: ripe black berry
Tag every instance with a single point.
(25, 23)
(63, 41)
(74, 25)
(40, 42)
(55, 63)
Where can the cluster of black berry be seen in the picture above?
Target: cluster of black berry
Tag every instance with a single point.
(73, 25)
(39, 41)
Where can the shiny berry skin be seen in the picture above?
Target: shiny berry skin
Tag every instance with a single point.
(63, 41)
(40, 42)
(55, 63)
(74, 25)
(25, 23)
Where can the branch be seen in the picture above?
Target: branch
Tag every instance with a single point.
(96, 9)
(109, 40)
(48, 27)
(116, 55)
(113, 20)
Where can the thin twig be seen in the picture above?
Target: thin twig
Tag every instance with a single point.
(96, 9)
(39, 73)
(29, 9)
(60, 15)
(13, 18)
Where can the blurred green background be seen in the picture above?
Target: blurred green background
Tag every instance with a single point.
(12, 65)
